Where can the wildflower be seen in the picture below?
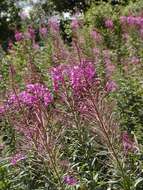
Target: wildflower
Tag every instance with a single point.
(40, 92)
(26, 98)
(43, 31)
(111, 86)
(33, 94)
(131, 20)
(96, 36)
(57, 77)
(70, 180)
(54, 24)
(138, 21)
(75, 24)
(135, 60)
(109, 24)
(18, 36)
(48, 98)
(31, 33)
(16, 158)
(128, 143)
(123, 19)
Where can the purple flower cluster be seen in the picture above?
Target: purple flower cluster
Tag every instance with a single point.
(18, 36)
(70, 180)
(43, 31)
(34, 93)
(132, 20)
(31, 32)
(96, 36)
(111, 86)
(54, 24)
(109, 23)
(128, 143)
(81, 76)
(78, 77)
(75, 23)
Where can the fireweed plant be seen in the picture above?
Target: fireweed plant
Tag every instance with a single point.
(61, 103)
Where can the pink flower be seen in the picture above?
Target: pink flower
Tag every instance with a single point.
(18, 36)
(43, 31)
(16, 158)
(75, 24)
(109, 24)
(131, 20)
(111, 86)
(54, 24)
(31, 32)
(135, 60)
(57, 74)
(128, 143)
(123, 19)
(34, 94)
(26, 98)
(70, 180)
(96, 36)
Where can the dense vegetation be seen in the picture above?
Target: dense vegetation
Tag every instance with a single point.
(71, 101)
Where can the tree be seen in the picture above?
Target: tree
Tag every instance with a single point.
(68, 5)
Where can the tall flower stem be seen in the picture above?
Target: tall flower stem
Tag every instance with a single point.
(103, 128)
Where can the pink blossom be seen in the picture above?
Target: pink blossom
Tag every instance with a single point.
(123, 19)
(26, 98)
(135, 60)
(128, 143)
(109, 24)
(31, 32)
(70, 180)
(43, 31)
(131, 20)
(57, 74)
(96, 36)
(34, 93)
(75, 24)
(18, 36)
(54, 24)
(111, 86)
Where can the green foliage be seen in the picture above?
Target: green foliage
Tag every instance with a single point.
(88, 147)
(9, 19)
(130, 104)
